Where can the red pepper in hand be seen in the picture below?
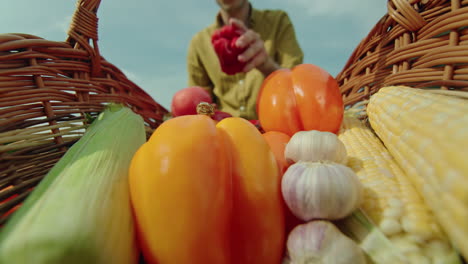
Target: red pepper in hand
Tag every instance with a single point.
(224, 43)
(256, 123)
(220, 115)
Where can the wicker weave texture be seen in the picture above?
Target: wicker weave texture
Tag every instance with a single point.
(49, 90)
(418, 43)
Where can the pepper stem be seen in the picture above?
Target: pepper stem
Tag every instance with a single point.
(205, 108)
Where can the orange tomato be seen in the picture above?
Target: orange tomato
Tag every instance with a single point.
(277, 142)
(207, 192)
(305, 97)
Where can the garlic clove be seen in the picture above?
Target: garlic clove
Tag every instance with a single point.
(320, 242)
(315, 146)
(321, 190)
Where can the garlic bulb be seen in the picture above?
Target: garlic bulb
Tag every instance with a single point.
(321, 190)
(322, 243)
(315, 146)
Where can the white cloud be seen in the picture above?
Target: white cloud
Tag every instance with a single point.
(63, 25)
(131, 75)
(339, 7)
(359, 11)
(49, 23)
(354, 8)
(161, 87)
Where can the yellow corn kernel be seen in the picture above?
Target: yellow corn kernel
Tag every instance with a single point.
(427, 135)
(401, 213)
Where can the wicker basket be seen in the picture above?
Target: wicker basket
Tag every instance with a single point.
(48, 92)
(419, 43)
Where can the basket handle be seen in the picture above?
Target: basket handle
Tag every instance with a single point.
(403, 12)
(83, 32)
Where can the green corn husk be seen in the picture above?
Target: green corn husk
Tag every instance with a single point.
(80, 212)
(378, 248)
(373, 242)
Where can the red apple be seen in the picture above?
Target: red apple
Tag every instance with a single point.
(185, 101)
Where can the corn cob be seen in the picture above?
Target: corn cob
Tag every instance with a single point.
(390, 199)
(427, 133)
(80, 212)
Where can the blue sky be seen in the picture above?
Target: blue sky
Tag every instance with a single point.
(148, 39)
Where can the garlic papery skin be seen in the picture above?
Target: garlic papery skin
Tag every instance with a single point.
(321, 190)
(315, 146)
(320, 242)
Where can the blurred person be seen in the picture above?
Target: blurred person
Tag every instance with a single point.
(270, 43)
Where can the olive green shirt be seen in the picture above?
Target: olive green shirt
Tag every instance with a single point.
(237, 94)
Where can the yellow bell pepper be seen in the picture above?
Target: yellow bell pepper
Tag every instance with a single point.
(207, 192)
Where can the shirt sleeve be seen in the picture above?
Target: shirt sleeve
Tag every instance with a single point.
(289, 51)
(197, 74)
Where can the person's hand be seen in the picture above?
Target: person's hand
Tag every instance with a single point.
(255, 55)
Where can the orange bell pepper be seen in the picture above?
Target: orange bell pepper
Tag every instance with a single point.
(207, 192)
